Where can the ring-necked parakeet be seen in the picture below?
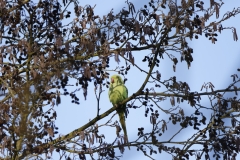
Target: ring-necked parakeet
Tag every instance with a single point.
(117, 93)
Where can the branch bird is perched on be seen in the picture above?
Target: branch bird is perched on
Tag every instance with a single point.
(117, 93)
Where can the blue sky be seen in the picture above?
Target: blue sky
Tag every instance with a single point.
(212, 63)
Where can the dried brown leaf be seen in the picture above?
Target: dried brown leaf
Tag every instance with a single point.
(235, 89)
(172, 101)
(87, 72)
(50, 131)
(212, 3)
(131, 58)
(214, 26)
(116, 57)
(51, 149)
(82, 135)
(206, 16)
(217, 10)
(137, 27)
(235, 37)
(174, 68)
(93, 137)
(118, 129)
(164, 126)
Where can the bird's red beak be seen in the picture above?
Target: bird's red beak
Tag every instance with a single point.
(112, 80)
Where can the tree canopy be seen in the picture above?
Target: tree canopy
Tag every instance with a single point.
(54, 49)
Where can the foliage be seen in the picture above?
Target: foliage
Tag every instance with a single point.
(40, 54)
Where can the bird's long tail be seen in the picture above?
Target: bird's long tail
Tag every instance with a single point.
(123, 124)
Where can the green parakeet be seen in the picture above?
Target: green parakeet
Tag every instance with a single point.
(117, 93)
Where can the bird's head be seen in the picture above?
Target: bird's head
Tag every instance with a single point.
(116, 79)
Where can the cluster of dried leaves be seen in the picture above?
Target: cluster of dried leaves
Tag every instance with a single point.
(40, 53)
